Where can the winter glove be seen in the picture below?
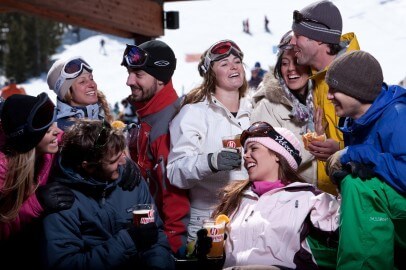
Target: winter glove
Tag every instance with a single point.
(131, 176)
(224, 160)
(55, 197)
(144, 236)
(361, 170)
(333, 163)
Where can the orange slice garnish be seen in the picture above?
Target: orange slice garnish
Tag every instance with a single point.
(222, 218)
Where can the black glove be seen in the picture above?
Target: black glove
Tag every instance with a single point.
(202, 248)
(224, 160)
(203, 244)
(144, 236)
(361, 170)
(131, 176)
(55, 197)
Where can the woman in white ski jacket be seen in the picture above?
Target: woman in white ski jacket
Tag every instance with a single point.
(274, 213)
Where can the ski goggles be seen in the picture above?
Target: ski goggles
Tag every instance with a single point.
(263, 129)
(284, 43)
(41, 117)
(134, 57)
(299, 17)
(71, 70)
(221, 50)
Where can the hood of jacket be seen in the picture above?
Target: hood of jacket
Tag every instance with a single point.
(271, 90)
(388, 96)
(87, 185)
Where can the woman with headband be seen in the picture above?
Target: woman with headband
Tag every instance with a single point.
(276, 219)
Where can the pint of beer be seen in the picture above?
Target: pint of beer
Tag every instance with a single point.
(143, 214)
(233, 142)
(216, 232)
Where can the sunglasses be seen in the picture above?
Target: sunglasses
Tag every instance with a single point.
(41, 117)
(299, 17)
(221, 50)
(134, 57)
(71, 70)
(103, 136)
(263, 129)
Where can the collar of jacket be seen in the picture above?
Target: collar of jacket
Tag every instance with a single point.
(160, 100)
(245, 107)
(91, 111)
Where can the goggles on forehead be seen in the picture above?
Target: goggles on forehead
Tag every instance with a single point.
(71, 70)
(134, 57)
(299, 17)
(263, 129)
(284, 43)
(221, 50)
(41, 117)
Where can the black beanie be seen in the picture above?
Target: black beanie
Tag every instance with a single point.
(326, 13)
(357, 74)
(14, 119)
(161, 62)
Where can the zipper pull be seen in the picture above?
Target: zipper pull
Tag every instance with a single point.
(250, 215)
(296, 204)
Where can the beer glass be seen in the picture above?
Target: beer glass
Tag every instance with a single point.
(143, 214)
(232, 142)
(216, 232)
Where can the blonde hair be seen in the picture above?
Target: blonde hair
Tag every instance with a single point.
(208, 86)
(20, 182)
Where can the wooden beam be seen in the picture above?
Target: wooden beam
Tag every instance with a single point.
(117, 17)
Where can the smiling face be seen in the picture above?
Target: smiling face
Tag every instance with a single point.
(84, 90)
(346, 106)
(143, 85)
(229, 72)
(261, 163)
(295, 76)
(49, 143)
(305, 49)
(108, 168)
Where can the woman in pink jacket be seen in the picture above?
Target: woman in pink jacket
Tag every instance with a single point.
(275, 217)
(26, 157)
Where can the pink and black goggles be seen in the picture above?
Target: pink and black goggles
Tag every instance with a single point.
(134, 57)
(221, 50)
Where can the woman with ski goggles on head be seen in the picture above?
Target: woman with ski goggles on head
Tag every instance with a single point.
(285, 99)
(26, 158)
(276, 219)
(197, 160)
(78, 97)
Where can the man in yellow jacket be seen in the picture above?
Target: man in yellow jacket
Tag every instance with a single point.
(318, 40)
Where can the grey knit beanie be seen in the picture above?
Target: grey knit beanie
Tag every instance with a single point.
(357, 74)
(315, 18)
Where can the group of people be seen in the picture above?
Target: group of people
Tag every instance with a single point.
(69, 175)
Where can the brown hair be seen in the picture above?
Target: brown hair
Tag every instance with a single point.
(81, 138)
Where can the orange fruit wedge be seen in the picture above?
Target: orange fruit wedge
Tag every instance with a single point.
(222, 218)
(117, 124)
